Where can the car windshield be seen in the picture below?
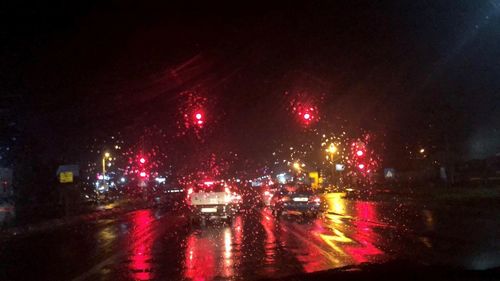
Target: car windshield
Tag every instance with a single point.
(239, 140)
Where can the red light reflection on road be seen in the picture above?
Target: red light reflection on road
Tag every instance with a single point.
(200, 260)
(142, 241)
(238, 233)
(364, 235)
(269, 224)
(211, 253)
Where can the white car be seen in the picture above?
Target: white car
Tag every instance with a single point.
(210, 200)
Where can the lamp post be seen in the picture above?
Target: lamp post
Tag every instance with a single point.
(106, 156)
(296, 166)
(331, 150)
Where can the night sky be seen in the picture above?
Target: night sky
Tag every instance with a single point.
(415, 73)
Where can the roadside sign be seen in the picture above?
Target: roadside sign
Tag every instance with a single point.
(339, 167)
(314, 179)
(66, 177)
(389, 173)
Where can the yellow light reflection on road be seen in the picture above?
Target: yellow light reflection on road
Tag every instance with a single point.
(330, 241)
(336, 203)
(429, 219)
(107, 234)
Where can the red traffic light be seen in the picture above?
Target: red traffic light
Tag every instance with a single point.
(307, 116)
(142, 160)
(361, 166)
(198, 118)
(360, 153)
(142, 174)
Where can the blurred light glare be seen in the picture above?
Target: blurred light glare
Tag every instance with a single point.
(332, 148)
(160, 179)
(339, 167)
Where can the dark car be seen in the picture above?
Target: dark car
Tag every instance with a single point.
(296, 200)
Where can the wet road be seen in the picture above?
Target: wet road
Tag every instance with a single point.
(158, 244)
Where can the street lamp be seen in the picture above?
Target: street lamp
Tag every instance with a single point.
(106, 156)
(296, 166)
(332, 149)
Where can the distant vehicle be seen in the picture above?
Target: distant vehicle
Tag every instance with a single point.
(211, 200)
(298, 199)
(7, 211)
(267, 195)
(236, 200)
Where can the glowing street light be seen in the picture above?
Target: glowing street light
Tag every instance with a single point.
(106, 156)
(296, 166)
(332, 149)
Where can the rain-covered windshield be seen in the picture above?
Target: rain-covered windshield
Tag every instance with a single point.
(153, 140)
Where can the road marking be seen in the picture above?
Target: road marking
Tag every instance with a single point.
(96, 268)
(298, 235)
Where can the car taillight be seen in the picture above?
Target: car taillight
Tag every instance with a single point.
(190, 191)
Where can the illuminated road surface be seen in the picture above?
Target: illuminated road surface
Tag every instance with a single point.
(156, 244)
